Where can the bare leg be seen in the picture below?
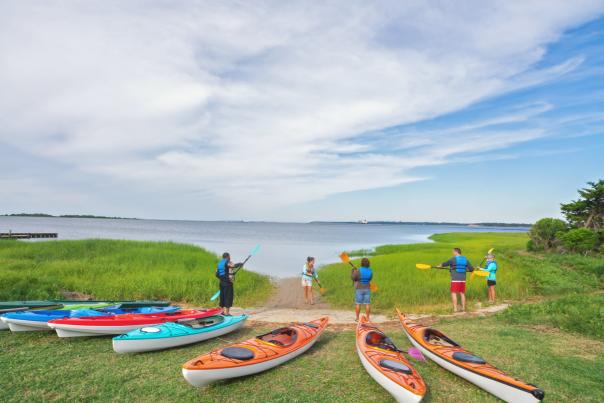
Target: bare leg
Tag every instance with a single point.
(463, 300)
(493, 292)
(312, 301)
(305, 294)
(357, 310)
(227, 311)
(367, 310)
(454, 300)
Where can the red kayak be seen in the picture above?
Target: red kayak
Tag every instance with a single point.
(120, 324)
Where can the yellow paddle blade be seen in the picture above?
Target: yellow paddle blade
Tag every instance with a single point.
(480, 273)
(423, 266)
(490, 251)
(344, 257)
(373, 287)
(322, 290)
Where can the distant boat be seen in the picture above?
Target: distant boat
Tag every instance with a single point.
(474, 225)
(363, 222)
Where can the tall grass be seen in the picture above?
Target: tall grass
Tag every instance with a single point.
(401, 284)
(116, 269)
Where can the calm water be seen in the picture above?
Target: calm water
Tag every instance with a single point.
(284, 246)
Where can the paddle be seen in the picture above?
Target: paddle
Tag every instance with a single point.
(423, 266)
(252, 253)
(346, 259)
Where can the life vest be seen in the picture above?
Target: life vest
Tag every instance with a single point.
(221, 270)
(365, 275)
(461, 264)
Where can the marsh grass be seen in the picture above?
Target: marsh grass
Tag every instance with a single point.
(117, 269)
(520, 275)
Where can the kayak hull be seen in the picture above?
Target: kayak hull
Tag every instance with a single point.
(399, 394)
(483, 375)
(123, 344)
(375, 348)
(20, 325)
(254, 355)
(120, 324)
(201, 378)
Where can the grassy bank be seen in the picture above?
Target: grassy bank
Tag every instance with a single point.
(42, 367)
(112, 269)
(520, 275)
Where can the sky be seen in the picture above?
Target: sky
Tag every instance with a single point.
(465, 111)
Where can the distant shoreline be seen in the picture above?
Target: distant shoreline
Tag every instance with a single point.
(472, 224)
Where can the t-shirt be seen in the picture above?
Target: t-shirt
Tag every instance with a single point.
(305, 274)
(456, 276)
(491, 267)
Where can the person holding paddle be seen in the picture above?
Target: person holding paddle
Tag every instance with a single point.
(308, 275)
(458, 266)
(226, 273)
(362, 287)
(491, 268)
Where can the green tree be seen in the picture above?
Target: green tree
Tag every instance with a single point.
(543, 233)
(588, 210)
(579, 240)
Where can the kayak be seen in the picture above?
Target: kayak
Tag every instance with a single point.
(38, 320)
(29, 304)
(53, 303)
(254, 355)
(451, 356)
(28, 321)
(387, 365)
(4, 326)
(120, 324)
(174, 334)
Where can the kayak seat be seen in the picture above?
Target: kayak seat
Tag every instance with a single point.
(396, 366)
(282, 337)
(465, 357)
(237, 353)
(437, 338)
(202, 322)
(379, 340)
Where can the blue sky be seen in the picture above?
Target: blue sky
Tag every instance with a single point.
(415, 111)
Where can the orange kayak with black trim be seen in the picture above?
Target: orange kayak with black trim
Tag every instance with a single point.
(453, 357)
(254, 355)
(387, 365)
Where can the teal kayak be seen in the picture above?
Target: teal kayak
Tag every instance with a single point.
(174, 334)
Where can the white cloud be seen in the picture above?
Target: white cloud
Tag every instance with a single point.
(266, 98)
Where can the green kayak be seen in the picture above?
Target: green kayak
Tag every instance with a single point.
(70, 304)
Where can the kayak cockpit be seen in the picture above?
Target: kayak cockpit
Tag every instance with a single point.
(237, 353)
(282, 337)
(380, 340)
(436, 338)
(200, 323)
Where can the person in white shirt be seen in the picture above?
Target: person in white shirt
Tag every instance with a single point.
(308, 275)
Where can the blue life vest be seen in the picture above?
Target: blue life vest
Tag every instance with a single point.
(222, 268)
(365, 275)
(461, 264)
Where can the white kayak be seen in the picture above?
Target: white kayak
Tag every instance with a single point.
(174, 334)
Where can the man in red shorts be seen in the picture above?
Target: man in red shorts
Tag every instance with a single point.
(458, 266)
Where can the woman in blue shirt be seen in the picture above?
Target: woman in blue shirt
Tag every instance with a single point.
(491, 267)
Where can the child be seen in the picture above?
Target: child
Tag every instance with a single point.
(308, 275)
(491, 267)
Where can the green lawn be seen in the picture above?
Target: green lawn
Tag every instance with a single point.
(40, 366)
(112, 269)
(520, 275)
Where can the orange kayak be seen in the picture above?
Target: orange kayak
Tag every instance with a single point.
(453, 357)
(387, 365)
(254, 355)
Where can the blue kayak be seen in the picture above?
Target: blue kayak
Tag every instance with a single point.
(38, 320)
(174, 334)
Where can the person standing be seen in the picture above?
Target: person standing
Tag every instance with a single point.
(362, 287)
(308, 275)
(491, 267)
(225, 272)
(458, 266)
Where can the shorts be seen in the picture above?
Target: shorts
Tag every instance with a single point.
(491, 283)
(306, 282)
(362, 296)
(226, 294)
(458, 286)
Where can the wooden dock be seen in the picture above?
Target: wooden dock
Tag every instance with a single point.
(27, 235)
